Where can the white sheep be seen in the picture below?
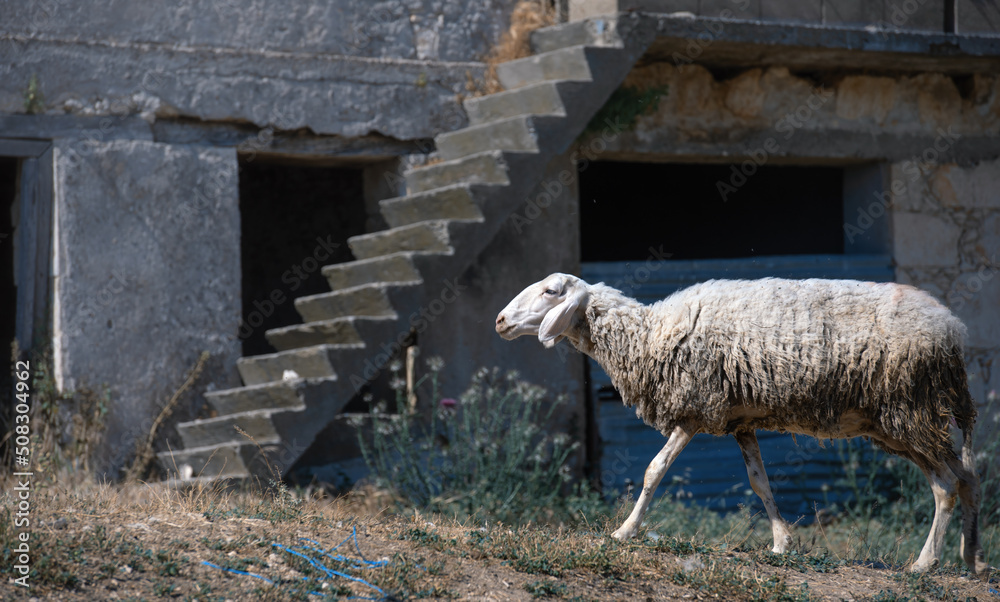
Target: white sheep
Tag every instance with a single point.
(826, 358)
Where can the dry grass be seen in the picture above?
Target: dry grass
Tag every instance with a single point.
(515, 43)
(139, 541)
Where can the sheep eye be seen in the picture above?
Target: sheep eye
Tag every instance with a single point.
(549, 291)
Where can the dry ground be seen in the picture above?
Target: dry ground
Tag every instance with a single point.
(147, 542)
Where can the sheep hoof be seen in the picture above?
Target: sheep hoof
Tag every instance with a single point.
(781, 544)
(623, 534)
(923, 566)
(973, 557)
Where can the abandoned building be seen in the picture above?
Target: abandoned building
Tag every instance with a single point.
(307, 190)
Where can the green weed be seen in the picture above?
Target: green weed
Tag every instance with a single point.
(545, 589)
(625, 106)
(486, 455)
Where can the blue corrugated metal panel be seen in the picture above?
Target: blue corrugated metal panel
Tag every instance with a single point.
(711, 471)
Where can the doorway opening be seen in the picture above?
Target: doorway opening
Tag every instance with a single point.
(9, 168)
(295, 219)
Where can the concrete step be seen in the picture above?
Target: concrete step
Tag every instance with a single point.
(597, 31)
(255, 397)
(396, 268)
(223, 460)
(222, 429)
(490, 167)
(308, 362)
(539, 99)
(451, 202)
(338, 331)
(518, 133)
(570, 63)
(368, 300)
(431, 236)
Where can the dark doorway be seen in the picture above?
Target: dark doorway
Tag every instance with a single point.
(625, 208)
(8, 292)
(295, 219)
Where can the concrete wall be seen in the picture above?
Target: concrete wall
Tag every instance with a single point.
(336, 67)
(147, 276)
(916, 15)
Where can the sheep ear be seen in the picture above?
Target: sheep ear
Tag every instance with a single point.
(557, 320)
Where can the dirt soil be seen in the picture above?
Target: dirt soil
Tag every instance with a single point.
(115, 545)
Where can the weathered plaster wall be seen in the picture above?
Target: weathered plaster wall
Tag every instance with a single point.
(147, 276)
(446, 30)
(338, 67)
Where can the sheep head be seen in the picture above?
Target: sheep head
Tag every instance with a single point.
(547, 308)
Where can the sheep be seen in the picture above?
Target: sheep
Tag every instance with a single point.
(826, 358)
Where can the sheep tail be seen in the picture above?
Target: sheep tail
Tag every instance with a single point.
(966, 421)
(968, 456)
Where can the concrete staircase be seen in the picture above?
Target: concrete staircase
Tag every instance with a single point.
(451, 212)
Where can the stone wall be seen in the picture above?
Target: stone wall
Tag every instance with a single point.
(338, 67)
(824, 116)
(946, 221)
(147, 276)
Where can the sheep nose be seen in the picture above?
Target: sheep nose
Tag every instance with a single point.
(500, 321)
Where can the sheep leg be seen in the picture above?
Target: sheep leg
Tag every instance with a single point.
(944, 486)
(758, 480)
(654, 474)
(969, 495)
